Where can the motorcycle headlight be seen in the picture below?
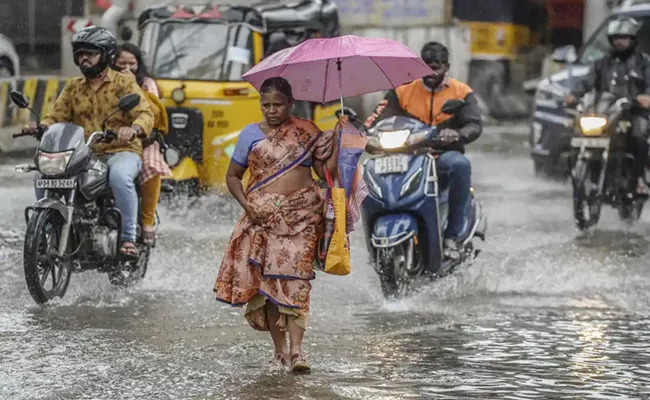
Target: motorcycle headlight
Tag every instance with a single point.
(411, 183)
(393, 139)
(592, 126)
(53, 163)
(172, 157)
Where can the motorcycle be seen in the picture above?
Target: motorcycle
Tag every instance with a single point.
(406, 210)
(76, 226)
(602, 168)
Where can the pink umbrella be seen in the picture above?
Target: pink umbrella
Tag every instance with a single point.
(322, 70)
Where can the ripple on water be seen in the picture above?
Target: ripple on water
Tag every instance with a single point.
(543, 313)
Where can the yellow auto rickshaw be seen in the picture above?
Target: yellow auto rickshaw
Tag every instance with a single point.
(199, 53)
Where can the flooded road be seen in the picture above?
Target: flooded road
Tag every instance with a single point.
(543, 313)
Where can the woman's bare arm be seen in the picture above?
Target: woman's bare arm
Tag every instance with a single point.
(234, 177)
(330, 163)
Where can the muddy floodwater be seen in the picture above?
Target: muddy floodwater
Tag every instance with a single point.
(544, 313)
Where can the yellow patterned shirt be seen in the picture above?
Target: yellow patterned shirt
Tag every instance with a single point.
(80, 104)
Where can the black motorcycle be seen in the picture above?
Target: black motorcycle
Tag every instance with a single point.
(602, 167)
(76, 227)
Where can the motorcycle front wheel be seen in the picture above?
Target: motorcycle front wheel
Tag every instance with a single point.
(41, 262)
(393, 270)
(586, 207)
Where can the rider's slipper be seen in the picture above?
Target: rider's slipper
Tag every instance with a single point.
(450, 250)
(128, 250)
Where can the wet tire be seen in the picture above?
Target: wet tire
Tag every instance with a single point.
(130, 273)
(630, 213)
(586, 208)
(393, 276)
(40, 263)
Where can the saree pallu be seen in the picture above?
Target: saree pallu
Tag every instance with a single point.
(274, 262)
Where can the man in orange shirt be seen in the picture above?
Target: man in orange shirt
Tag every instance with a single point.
(423, 99)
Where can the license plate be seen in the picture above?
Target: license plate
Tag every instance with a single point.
(392, 164)
(55, 183)
(590, 142)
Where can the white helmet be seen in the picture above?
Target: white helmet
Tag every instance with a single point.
(623, 26)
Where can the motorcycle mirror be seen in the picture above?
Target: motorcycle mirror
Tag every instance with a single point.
(19, 99)
(452, 106)
(129, 102)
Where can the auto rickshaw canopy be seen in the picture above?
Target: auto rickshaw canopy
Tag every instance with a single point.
(264, 17)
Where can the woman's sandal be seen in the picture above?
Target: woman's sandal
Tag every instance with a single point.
(128, 249)
(149, 238)
(299, 364)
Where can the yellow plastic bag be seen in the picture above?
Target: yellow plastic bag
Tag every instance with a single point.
(334, 245)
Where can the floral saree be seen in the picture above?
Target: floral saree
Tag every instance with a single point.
(274, 262)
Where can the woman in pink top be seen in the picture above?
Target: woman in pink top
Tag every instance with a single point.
(154, 167)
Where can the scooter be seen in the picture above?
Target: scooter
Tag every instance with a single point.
(406, 210)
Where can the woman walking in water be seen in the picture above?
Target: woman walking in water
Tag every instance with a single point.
(268, 261)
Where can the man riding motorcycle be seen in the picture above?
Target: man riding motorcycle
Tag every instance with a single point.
(422, 99)
(624, 72)
(86, 101)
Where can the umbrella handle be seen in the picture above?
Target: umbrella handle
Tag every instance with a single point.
(338, 68)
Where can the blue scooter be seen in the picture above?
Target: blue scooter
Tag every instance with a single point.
(406, 210)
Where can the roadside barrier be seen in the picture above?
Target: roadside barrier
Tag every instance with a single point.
(40, 91)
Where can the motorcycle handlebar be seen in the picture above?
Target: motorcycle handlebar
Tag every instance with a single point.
(21, 134)
(37, 132)
(101, 137)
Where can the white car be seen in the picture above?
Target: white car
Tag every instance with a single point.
(9, 61)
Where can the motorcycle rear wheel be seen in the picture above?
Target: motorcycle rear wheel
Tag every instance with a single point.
(40, 257)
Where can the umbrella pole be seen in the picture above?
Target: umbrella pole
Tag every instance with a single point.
(338, 63)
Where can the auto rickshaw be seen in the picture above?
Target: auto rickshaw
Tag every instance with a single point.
(197, 54)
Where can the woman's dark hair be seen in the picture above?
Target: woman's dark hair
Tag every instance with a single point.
(142, 71)
(435, 52)
(277, 84)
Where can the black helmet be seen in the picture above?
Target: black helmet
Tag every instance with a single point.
(94, 38)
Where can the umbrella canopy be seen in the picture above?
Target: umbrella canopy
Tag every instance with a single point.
(322, 70)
